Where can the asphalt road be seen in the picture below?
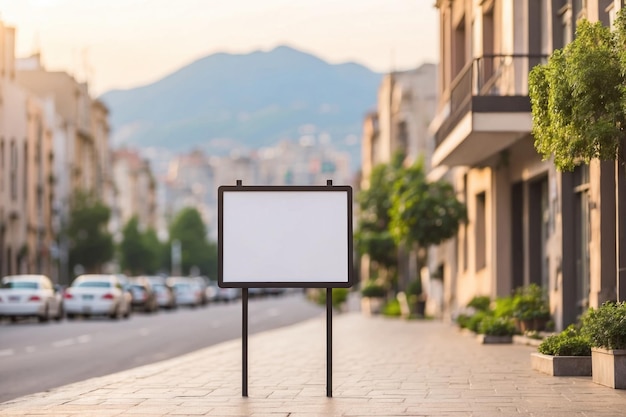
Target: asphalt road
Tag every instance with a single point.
(36, 357)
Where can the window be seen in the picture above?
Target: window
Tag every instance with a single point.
(2, 174)
(481, 232)
(13, 170)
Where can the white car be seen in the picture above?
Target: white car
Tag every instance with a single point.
(186, 290)
(97, 295)
(30, 296)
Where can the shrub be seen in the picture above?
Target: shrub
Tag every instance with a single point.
(372, 289)
(392, 309)
(529, 303)
(340, 295)
(415, 287)
(504, 307)
(570, 342)
(496, 326)
(462, 320)
(474, 321)
(480, 303)
(605, 327)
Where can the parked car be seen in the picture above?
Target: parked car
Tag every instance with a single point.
(164, 293)
(97, 294)
(30, 296)
(227, 294)
(186, 290)
(143, 295)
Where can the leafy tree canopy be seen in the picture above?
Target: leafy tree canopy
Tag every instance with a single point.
(189, 229)
(423, 213)
(373, 236)
(91, 245)
(578, 97)
(139, 251)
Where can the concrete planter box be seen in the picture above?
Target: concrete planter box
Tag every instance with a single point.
(561, 365)
(486, 339)
(609, 367)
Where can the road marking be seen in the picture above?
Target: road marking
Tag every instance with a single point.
(63, 343)
(30, 349)
(7, 352)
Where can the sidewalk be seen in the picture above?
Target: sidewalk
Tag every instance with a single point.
(382, 367)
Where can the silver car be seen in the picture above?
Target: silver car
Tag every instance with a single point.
(30, 296)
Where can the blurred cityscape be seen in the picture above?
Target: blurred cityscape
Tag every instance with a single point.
(467, 118)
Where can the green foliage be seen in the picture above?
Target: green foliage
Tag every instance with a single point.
(373, 237)
(392, 309)
(473, 323)
(423, 213)
(91, 245)
(570, 342)
(504, 307)
(372, 289)
(463, 320)
(139, 252)
(339, 295)
(530, 303)
(606, 326)
(578, 98)
(496, 326)
(415, 288)
(189, 229)
(480, 303)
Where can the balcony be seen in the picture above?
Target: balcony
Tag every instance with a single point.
(487, 111)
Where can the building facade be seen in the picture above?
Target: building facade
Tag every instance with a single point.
(134, 192)
(26, 172)
(528, 223)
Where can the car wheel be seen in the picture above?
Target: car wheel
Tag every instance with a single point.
(116, 313)
(71, 316)
(13, 319)
(46, 315)
(60, 314)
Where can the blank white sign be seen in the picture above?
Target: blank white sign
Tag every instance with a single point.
(283, 237)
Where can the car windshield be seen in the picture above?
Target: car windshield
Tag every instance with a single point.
(93, 284)
(181, 286)
(20, 285)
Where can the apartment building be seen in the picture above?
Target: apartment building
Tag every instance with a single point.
(80, 140)
(528, 223)
(135, 191)
(406, 104)
(26, 172)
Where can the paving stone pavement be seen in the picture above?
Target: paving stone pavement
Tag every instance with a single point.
(382, 367)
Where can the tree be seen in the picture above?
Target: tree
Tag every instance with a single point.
(189, 229)
(578, 104)
(423, 213)
(373, 236)
(579, 97)
(139, 251)
(91, 245)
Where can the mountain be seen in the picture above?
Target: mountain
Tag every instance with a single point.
(249, 100)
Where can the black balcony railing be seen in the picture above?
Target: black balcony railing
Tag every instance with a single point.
(496, 75)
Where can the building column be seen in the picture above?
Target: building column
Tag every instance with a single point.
(501, 231)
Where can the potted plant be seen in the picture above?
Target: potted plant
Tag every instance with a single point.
(530, 309)
(606, 329)
(372, 297)
(493, 329)
(416, 297)
(564, 354)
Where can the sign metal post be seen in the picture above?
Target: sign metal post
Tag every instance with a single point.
(315, 228)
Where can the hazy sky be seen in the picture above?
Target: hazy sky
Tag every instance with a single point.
(126, 43)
